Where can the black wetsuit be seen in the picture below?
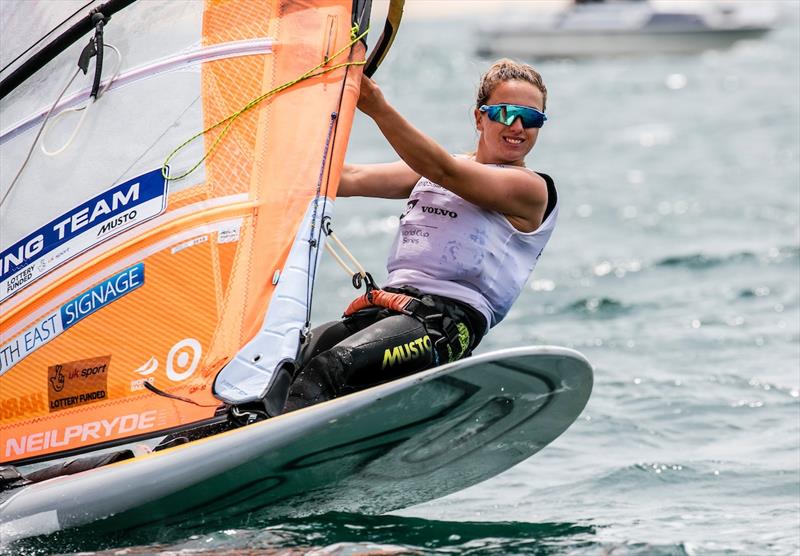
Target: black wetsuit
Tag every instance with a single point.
(376, 345)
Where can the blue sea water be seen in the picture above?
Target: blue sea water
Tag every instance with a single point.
(675, 269)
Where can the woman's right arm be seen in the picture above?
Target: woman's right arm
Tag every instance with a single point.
(394, 180)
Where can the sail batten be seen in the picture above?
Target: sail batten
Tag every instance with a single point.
(182, 61)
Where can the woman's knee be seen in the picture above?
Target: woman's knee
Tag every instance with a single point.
(321, 379)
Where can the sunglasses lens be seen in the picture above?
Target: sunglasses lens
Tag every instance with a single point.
(507, 113)
(497, 113)
(529, 116)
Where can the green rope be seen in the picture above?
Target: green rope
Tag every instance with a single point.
(313, 72)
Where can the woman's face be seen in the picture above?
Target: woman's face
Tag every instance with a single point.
(502, 144)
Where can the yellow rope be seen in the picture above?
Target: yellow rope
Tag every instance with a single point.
(355, 37)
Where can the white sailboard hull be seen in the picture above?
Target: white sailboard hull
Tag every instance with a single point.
(381, 449)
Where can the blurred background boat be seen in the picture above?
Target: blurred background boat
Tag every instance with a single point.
(624, 27)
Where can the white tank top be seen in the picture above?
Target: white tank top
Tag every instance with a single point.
(447, 246)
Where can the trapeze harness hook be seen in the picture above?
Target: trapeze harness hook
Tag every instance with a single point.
(359, 276)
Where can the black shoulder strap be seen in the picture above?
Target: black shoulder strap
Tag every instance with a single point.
(552, 195)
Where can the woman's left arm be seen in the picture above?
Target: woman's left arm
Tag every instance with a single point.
(511, 191)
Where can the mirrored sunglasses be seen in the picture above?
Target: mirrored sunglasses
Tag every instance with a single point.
(507, 113)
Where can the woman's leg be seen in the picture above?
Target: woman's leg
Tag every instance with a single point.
(394, 346)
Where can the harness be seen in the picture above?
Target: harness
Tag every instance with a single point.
(447, 341)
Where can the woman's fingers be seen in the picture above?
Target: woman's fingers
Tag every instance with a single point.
(370, 96)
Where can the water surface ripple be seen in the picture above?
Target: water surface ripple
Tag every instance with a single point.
(675, 268)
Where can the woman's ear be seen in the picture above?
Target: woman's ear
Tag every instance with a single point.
(478, 120)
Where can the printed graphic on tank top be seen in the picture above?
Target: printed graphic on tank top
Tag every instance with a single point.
(448, 246)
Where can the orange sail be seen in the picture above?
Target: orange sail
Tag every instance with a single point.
(115, 275)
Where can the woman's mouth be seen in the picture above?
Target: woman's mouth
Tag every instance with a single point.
(513, 140)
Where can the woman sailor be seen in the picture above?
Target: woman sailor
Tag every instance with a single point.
(471, 233)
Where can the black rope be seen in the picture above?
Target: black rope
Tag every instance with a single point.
(330, 145)
(94, 49)
(99, 21)
(314, 239)
(160, 392)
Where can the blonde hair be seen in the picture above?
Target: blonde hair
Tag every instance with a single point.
(506, 69)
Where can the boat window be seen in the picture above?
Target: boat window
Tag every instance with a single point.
(681, 21)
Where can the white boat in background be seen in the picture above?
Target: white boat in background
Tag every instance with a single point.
(625, 27)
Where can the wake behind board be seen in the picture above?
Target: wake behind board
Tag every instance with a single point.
(381, 449)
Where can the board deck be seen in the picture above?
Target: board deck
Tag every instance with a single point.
(385, 448)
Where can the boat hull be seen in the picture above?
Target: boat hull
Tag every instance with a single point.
(550, 44)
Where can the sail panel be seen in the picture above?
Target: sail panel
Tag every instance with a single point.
(173, 297)
(248, 377)
(41, 21)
